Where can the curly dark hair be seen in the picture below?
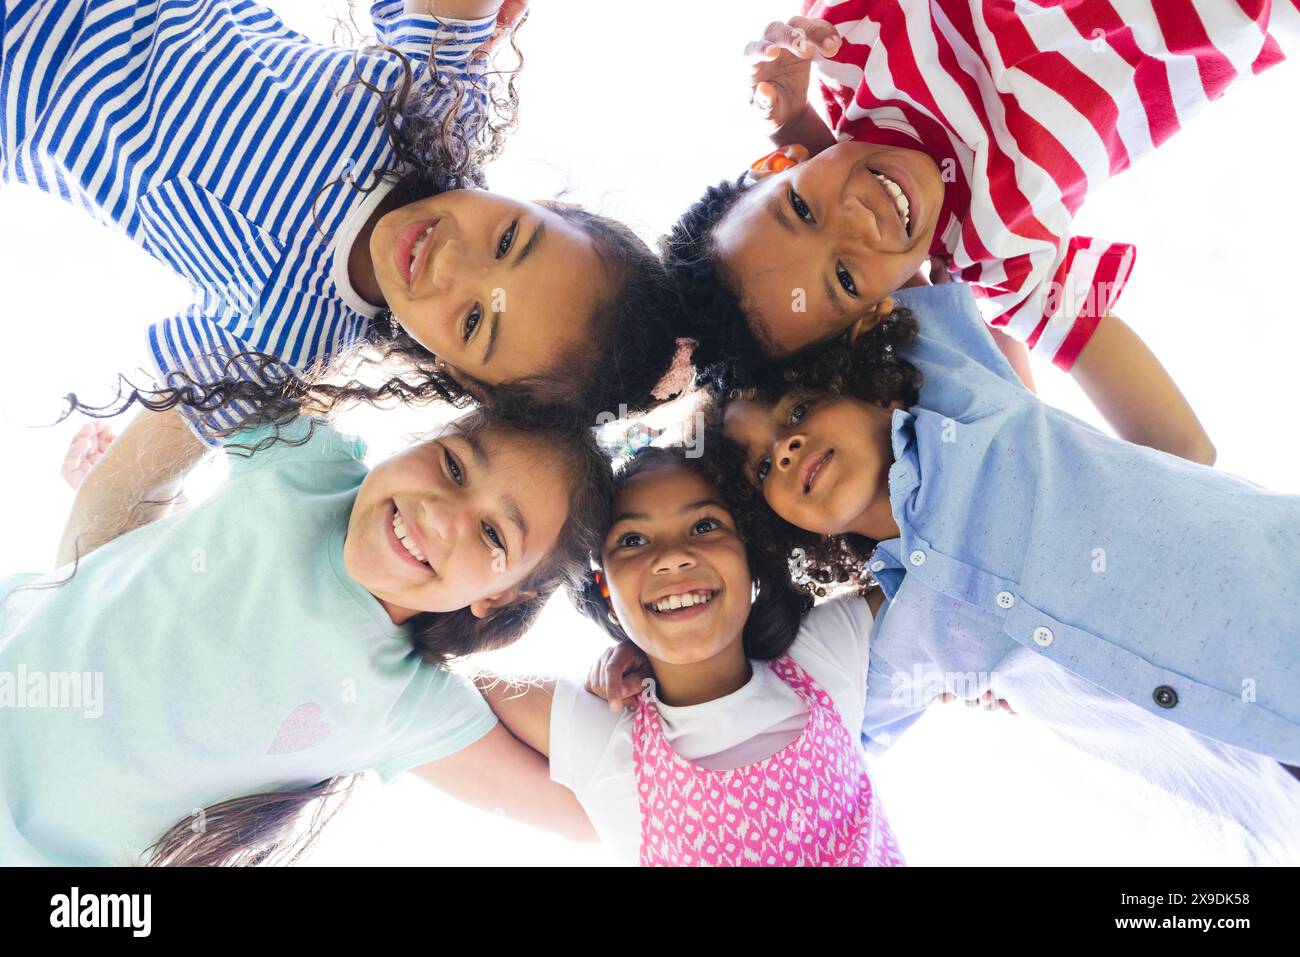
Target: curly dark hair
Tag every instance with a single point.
(778, 608)
(435, 150)
(728, 351)
(733, 351)
(874, 371)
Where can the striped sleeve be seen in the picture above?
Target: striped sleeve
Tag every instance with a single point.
(452, 42)
(1026, 107)
(197, 348)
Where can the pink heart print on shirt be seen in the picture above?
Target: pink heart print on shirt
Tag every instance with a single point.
(303, 729)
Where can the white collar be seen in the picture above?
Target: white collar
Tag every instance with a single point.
(343, 242)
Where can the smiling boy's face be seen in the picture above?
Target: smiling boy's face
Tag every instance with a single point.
(817, 247)
(456, 521)
(672, 537)
(821, 464)
(497, 288)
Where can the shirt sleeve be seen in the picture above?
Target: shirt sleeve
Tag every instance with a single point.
(451, 41)
(582, 726)
(840, 630)
(194, 347)
(302, 441)
(450, 716)
(1052, 299)
(948, 315)
(895, 697)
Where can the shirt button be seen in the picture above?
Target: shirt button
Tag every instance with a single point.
(1165, 696)
(917, 558)
(1005, 599)
(1043, 635)
(877, 566)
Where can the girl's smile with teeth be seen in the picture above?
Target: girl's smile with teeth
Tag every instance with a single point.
(672, 603)
(899, 197)
(410, 248)
(419, 247)
(404, 537)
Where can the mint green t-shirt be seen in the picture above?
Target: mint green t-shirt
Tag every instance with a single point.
(220, 652)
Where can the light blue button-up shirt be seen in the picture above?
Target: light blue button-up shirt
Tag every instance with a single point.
(1170, 584)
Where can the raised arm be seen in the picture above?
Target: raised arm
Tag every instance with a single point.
(523, 705)
(780, 68)
(146, 463)
(1134, 393)
(503, 771)
(455, 9)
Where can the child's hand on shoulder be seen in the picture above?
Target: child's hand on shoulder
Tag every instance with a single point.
(780, 65)
(87, 447)
(617, 674)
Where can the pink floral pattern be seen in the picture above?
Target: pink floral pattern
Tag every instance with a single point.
(808, 805)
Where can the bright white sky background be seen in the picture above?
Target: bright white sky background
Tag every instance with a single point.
(634, 112)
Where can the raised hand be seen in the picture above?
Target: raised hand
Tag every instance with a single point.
(780, 64)
(617, 674)
(87, 447)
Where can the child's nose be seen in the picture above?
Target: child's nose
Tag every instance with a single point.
(859, 219)
(787, 452)
(453, 265)
(674, 559)
(441, 520)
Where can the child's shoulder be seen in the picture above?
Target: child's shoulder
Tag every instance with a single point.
(835, 629)
(948, 318)
(302, 441)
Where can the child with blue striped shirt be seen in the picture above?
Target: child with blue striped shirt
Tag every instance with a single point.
(318, 198)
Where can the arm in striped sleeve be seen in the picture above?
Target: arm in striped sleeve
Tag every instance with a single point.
(1069, 320)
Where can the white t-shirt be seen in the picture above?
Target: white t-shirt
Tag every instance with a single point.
(591, 746)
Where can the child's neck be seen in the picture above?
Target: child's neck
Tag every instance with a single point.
(877, 521)
(680, 686)
(361, 267)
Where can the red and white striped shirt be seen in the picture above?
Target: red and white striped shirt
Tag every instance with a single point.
(1026, 105)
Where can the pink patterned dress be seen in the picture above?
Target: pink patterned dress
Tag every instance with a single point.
(809, 805)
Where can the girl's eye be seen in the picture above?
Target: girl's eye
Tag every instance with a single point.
(846, 281)
(507, 240)
(800, 207)
(705, 525)
(798, 413)
(471, 322)
(763, 467)
(493, 537)
(630, 540)
(457, 475)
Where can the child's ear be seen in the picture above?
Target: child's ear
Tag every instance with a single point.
(870, 319)
(779, 160)
(487, 607)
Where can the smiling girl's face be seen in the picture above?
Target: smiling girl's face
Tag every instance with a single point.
(822, 464)
(674, 543)
(498, 289)
(820, 245)
(456, 521)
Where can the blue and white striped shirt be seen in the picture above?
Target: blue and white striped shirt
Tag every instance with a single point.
(208, 132)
